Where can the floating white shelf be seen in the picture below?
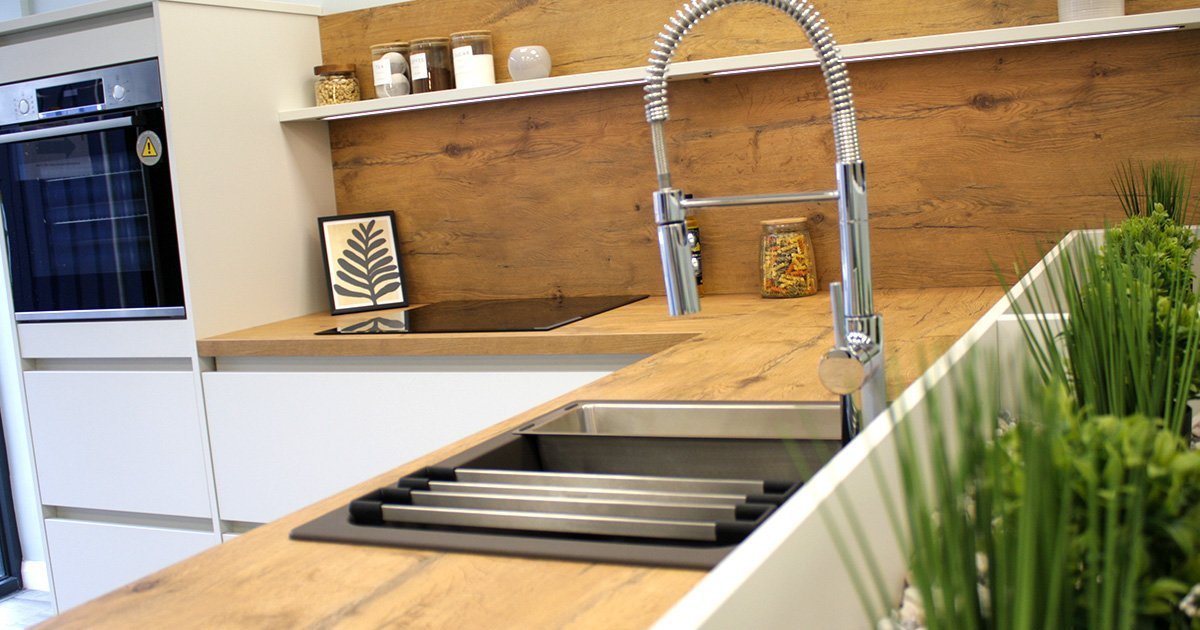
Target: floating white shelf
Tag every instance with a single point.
(865, 51)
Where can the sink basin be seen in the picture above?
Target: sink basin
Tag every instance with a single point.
(784, 441)
(660, 483)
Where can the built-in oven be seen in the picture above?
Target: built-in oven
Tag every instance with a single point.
(85, 187)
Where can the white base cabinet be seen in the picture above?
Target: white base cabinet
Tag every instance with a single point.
(282, 440)
(120, 441)
(90, 559)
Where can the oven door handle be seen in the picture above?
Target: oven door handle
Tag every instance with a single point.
(66, 130)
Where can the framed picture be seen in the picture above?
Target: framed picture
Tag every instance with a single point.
(362, 262)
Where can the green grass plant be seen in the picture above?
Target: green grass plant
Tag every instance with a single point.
(1078, 505)
(1130, 339)
(1056, 520)
(1140, 187)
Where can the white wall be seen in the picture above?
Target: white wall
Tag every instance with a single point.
(340, 6)
(255, 176)
(11, 9)
(43, 6)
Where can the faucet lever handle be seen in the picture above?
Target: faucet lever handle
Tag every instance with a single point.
(841, 371)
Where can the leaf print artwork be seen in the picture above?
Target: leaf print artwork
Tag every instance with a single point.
(362, 262)
(367, 266)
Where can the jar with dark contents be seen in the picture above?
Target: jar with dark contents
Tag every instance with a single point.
(429, 62)
(789, 268)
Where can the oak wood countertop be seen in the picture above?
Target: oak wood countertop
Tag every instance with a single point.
(738, 348)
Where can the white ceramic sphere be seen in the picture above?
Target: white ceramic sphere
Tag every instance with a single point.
(399, 86)
(396, 61)
(529, 62)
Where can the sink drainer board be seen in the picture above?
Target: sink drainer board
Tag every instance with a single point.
(670, 484)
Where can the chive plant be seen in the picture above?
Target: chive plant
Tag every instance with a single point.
(1084, 511)
(1057, 520)
(1130, 329)
(1139, 187)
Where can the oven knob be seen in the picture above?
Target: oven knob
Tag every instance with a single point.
(118, 92)
(23, 106)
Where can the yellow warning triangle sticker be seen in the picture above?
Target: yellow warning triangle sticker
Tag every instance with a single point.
(148, 150)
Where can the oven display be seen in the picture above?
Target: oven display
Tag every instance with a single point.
(60, 100)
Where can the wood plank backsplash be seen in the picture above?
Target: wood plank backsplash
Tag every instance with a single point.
(972, 157)
(586, 35)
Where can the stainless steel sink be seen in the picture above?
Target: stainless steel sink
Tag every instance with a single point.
(786, 441)
(661, 483)
(799, 421)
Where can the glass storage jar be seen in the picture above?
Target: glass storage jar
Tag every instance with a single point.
(389, 69)
(788, 266)
(474, 64)
(429, 61)
(335, 84)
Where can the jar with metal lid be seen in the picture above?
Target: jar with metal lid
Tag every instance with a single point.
(474, 64)
(429, 61)
(788, 266)
(389, 69)
(335, 84)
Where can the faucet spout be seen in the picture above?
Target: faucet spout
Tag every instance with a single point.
(683, 296)
(855, 365)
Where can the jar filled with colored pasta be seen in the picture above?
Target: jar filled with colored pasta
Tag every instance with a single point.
(786, 259)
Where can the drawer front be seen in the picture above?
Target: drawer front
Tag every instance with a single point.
(117, 339)
(124, 441)
(281, 441)
(89, 559)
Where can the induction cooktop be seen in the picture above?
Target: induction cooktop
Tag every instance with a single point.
(461, 316)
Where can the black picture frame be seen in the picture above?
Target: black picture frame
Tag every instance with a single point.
(362, 273)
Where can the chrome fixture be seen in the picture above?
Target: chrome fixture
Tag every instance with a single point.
(855, 364)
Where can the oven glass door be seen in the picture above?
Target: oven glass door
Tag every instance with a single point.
(91, 227)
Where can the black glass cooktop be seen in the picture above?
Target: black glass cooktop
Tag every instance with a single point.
(487, 315)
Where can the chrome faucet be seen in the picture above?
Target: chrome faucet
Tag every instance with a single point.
(854, 367)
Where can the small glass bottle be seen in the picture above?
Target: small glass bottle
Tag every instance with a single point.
(335, 84)
(389, 68)
(789, 268)
(429, 61)
(474, 64)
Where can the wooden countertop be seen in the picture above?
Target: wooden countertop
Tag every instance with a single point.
(739, 348)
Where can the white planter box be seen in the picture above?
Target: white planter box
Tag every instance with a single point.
(789, 573)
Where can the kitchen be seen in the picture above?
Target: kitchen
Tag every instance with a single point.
(969, 154)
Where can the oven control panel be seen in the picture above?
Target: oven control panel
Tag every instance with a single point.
(79, 93)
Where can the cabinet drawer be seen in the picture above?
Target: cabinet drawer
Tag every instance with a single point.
(116, 339)
(124, 441)
(89, 559)
(281, 441)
